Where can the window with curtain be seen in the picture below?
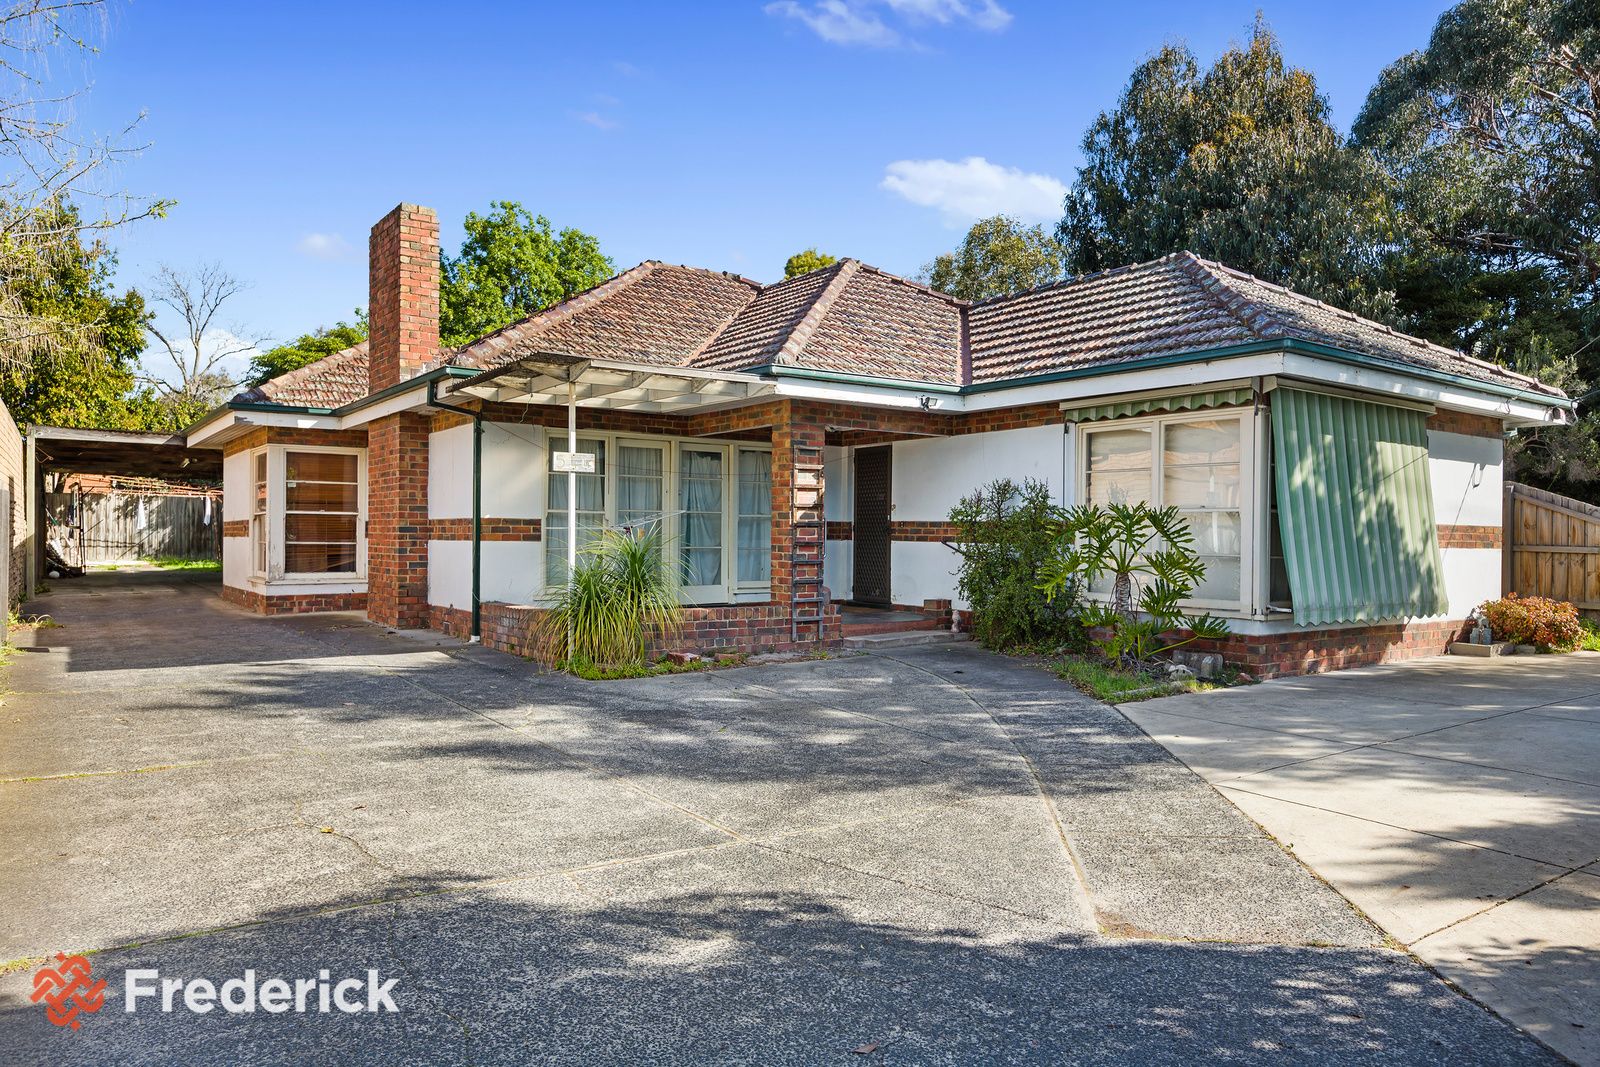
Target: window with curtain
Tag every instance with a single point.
(590, 507)
(321, 512)
(755, 516)
(641, 473)
(700, 500)
(1193, 464)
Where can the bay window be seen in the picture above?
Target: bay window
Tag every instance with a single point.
(308, 513)
(710, 501)
(1199, 463)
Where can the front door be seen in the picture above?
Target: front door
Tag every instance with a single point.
(871, 533)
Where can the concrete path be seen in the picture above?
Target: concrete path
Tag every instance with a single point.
(1455, 801)
(940, 857)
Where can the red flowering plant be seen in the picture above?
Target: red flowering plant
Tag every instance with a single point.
(1550, 625)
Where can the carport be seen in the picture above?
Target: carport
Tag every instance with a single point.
(64, 450)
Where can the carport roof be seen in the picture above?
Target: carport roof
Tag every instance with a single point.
(126, 452)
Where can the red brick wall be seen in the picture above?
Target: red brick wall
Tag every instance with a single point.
(736, 628)
(402, 295)
(284, 435)
(397, 520)
(1314, 651)
(236, 528)
(293, 603)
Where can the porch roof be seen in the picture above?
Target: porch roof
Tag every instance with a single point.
(544, 377)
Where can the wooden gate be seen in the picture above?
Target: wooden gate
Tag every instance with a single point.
(1551, 546)
(120, 527)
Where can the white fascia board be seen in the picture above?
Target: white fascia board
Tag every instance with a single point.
(870, 395)
(1440, 394)
(234, 422)
(409, 400)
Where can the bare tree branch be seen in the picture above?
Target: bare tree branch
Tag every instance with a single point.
(198, 349)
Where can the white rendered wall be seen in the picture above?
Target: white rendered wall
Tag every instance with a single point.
(513, 488)
(1467, 474)
(932, 475)
(513, 472)
(838, 505)
(236, 495)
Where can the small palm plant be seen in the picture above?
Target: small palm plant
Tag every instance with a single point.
(621, 594)
(1149, 555)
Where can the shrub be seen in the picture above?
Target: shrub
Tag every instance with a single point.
(1004, 533)
(1551, 625)
(620, 595)
(1149, 556)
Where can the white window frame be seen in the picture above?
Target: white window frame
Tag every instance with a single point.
(277, 500)
(731, 588)
(1249, 483)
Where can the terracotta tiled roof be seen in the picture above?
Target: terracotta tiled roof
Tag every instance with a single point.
(848, 317)
(856, 319)
(653, 313)
(1177, 304)
(340, 378)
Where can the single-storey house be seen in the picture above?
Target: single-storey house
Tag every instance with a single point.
(801, 445)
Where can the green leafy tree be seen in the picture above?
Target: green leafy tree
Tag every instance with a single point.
(82, 372)
(807, 261)
(512, 264)
(1490, 138)
(307, 348)
(998, 257)
(1239, 163)
(1005, 532)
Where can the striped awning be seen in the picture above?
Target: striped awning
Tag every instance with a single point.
(1355, 509)
(1129, 407)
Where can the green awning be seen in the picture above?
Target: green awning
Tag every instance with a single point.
(1123, 409)
(1355, 509)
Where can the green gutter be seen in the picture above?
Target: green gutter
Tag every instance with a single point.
(778, 370)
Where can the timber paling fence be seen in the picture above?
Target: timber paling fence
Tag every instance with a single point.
(1551, 546)
(120, 527)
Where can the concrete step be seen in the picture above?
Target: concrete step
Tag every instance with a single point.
(903, 639)
(864, 629)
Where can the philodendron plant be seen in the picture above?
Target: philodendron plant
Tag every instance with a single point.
(1148, 553)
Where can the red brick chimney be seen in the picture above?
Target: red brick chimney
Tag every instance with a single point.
(402, 295)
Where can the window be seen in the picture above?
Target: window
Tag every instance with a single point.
(712, 503)
(755, 517)
(591, 508)
(1197, 463)
(307, 512)
(700, 497)
(258, 514)
(321, 511)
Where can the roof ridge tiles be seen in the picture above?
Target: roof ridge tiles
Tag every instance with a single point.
(1075, 279)
(821, 304)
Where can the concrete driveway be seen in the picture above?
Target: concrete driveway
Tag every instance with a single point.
(1455, 801)
(943, 857)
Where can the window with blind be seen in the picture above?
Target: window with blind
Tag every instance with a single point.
(1194, 462)
(307, 513)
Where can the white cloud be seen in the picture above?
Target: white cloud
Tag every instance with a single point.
(595, 119)
(974, 188)
(236, 352)
(858, 22)
(329, 246)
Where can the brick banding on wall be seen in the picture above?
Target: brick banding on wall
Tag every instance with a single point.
(293, 603)
(236, 528)
(1470, 536)
(1464, 423)
(286, 435)
(922, 530)
(841, 531)
(494, 529)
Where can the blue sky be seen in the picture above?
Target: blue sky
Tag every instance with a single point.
(725, 135)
